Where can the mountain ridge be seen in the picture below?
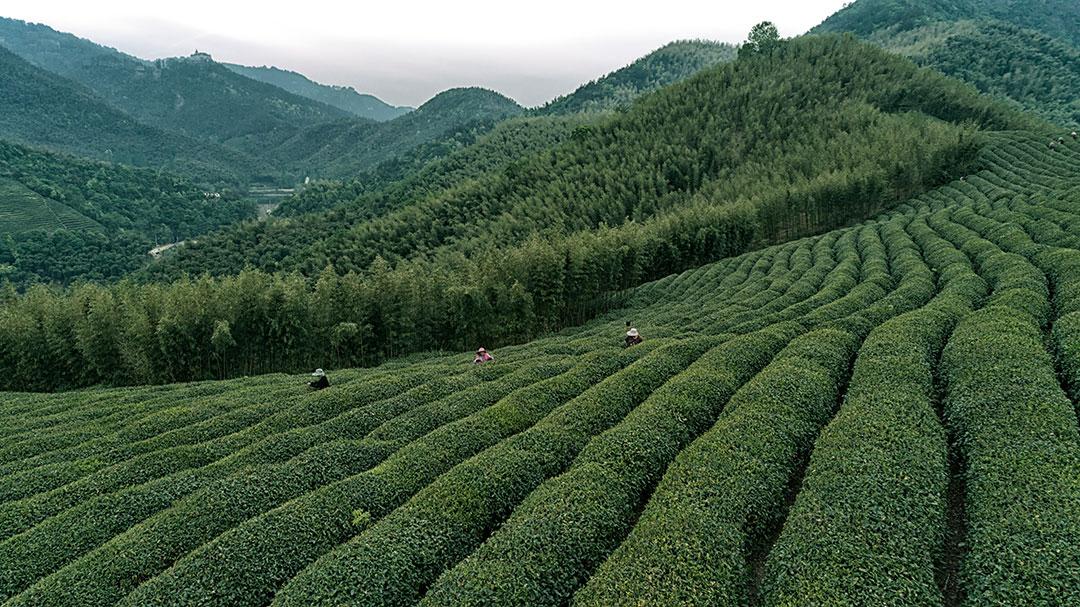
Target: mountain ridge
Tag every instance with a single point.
(346, 98)
(42, 109)
(193, 96)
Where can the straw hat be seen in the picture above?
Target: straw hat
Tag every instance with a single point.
(481, 351)
(632, 333)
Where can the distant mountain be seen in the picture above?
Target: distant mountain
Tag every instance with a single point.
(343, 149)
(342, 97)
(669, 64)
(42, 109)
(290, 135)
(1025, 53)
(193, 96)
(1055, 18)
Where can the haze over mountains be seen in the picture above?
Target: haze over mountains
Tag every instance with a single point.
(342, 97)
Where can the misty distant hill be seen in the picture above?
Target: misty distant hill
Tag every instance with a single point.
(342, 97)
(42, 109)
(194, 96)
(337, 150)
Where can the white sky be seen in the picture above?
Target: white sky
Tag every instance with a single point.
(405, 51)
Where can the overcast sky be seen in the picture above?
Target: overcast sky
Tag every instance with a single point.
(406, 51)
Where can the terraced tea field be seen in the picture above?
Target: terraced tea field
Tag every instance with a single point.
(881, 415)
(22, 210)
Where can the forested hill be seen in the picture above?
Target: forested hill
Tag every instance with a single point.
(430, 170)
(194, 96)
(1055, 18)
(839, 121)
(42, 109)
(291, 136)
(1039, 73)
(345, 148)
(453, 157)
(342, 97)
(64, 219)
(666, 65)
(1016, 51)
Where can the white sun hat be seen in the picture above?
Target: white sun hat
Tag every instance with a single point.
(318, 373)
(632, 333)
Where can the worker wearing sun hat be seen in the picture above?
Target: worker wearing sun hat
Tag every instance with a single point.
(320, 382)
(633, 338)
(482, 357)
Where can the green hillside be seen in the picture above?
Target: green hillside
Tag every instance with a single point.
(343, 149)
(1037, 72)
(508, 142)
(342, 97)
(900, 394)
(1013, 51)
(24, 210)
(64, 219)
(1055, 18)
(667, 65)
(428, 171)
(291, 135)
(41, 109)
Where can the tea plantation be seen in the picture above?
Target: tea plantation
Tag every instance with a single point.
(885, 414)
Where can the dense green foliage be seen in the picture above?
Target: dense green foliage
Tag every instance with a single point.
(666, 65)
(677, 154)
(1030, 69)
(1015, 51)
(510, 141)
(342, 97)
(117, 197)
(787, 415)
(763, 38)
(66, 219)
(1056, 18)
(425, 172)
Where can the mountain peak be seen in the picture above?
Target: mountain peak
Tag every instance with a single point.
(460, 96)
